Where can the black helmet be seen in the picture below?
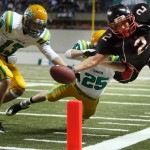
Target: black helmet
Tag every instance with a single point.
(121, 14)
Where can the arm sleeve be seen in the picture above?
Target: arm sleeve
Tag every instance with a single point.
(49, 53)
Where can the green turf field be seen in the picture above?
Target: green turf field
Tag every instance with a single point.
(124, 109)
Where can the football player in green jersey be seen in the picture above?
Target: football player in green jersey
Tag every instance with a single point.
(19, 31)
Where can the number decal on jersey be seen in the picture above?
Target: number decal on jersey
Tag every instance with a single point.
(142, 42)
(91, 81)
(108, 36)
(141, 11)
(13, 49)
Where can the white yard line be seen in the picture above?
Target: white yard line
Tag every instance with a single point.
(121, 141)
(48, 141)
(106, 102)
(64, 133)
(135, 95)
(16, 148)
(140, 116)
(64, 116)
(121, 124)
(45, 140)
(126, 103)
(105, 129)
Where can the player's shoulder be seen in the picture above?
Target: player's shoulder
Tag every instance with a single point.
(44, 37)
(81, 45)
(107, 37)
(11, 20)
(10, 15)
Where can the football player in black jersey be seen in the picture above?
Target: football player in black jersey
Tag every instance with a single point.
(128, 35)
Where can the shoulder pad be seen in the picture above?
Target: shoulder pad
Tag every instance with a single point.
(8, 18)
(81, 45)
(44, 37)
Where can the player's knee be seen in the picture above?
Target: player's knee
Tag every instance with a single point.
(6, 82)
(16, 93)
(87, 115)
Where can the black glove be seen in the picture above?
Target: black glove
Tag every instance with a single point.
(89, 52)
(76, 74)
(127, 75)
(72, 68)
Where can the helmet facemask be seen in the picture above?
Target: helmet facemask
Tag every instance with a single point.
(128, 23)
(34, 28)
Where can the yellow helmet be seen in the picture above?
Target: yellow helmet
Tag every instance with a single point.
(35, 20)
(95, 37)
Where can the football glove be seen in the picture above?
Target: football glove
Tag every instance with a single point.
(127, 75)
(76, 74)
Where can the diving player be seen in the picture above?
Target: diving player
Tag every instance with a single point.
(19, 31)
(128, 36)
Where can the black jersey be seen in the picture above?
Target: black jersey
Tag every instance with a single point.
(109, 43)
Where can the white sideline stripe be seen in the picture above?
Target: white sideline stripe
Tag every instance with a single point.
(122, 124)
(121, 141)
(64, 116)
(105, 129)
(16, 148)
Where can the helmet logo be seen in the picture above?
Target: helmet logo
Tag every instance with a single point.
(29, 13)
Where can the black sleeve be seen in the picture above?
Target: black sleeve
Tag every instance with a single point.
(141, 12)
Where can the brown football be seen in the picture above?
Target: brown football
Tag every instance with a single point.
(62, 74)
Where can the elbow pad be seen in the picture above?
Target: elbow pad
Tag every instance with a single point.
(68, 54)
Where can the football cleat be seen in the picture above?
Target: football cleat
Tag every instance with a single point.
(15, 108)
(2, 130)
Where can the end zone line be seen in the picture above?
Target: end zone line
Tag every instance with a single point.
(122, 141)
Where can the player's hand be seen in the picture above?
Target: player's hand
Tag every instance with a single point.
(127, 74)
(76, 74)
(72, 68)
(89, 52)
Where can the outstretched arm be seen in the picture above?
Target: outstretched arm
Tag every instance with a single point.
(90, 62)
(116, 66)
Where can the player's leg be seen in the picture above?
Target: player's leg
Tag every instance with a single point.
(5, 80)
(17, 86)
(88, 104)
(58, 92)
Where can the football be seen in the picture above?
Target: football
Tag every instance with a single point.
(62, 74)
